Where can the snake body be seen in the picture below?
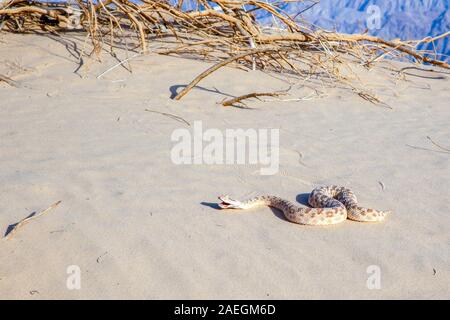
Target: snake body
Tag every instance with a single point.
(330, 205)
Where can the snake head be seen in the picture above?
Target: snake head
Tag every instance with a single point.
(228, 203)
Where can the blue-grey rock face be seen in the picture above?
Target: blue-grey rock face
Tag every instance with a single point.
(390, 19)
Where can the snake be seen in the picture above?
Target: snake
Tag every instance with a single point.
(329, 205)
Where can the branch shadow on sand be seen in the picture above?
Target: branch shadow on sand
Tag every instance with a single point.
(11, 227)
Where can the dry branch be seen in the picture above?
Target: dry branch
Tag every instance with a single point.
(10, 234)
(223, 31)
(396, 46)
(8, 80)
(239, 99)
(219, 65)
(438, 145)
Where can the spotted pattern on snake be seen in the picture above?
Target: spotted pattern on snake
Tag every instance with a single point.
(330, 205)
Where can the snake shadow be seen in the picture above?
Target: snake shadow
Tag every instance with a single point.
(213, 205)
(301, 198)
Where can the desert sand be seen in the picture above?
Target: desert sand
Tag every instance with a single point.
(139, 226)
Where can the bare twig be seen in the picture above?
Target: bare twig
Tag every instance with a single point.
(9, 81)
(118, 64)
(14, 229)
(233, 101)
(172, 116)
(437, 145)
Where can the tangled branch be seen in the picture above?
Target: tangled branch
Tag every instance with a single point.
(221, 31)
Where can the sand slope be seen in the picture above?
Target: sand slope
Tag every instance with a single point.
(139, 226)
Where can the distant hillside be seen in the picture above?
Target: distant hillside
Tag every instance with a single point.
(404, 19)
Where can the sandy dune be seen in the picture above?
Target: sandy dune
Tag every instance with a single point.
(139, 226)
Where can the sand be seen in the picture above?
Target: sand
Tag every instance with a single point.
(136, 225)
